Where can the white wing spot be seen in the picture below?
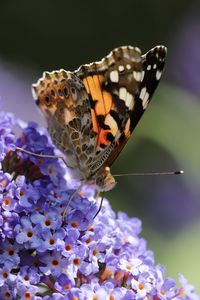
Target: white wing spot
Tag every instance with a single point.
(142, 93)
(145, 101)
(142, 75)
(34, 93)
(158, 75)
(137, 49)
(154, 66)
(128, 67)
(126, 97)
(110, 121)
(127, 128)
(129, 101)
(144, 96)
(148, 67)
(122, 93)
(114, 76)
(137, 75)
(121, 68)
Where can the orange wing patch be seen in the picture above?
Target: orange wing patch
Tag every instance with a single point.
(94, 121)
(103, 99)
(102, 107)
(102, 138)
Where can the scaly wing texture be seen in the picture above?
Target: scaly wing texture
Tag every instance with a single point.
(63, 100)
(91, 112)
(120, 88)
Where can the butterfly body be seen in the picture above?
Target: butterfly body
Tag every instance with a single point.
(92, 111)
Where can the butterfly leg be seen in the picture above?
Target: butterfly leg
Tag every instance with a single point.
(41, 155)
(70, 199)
(100, 206)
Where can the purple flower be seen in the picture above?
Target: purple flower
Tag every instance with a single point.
(53, 263)
(49, 220)
(49, 253)
(9, 221)
(6, 135)
(7, 292)
(9, 253)
(5, 179)
(28, 276)
(8, 202)
(27, 234)
(25, 193)
(52, 240)
(63, 283)
(6, 277)
(187, 290)
(29, 293)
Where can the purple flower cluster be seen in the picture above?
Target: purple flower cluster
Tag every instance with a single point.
(47, 254)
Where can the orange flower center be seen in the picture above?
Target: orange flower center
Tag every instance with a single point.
(54, 262)
(7, 201)
(29, 234)
(141, 286)
(77, 261)
(47, 222)
(27, 296)
(74, 224)
(3, 183)
(68, 247)
(51, 242)
(10, 252)
(22, 193)
(5, 275)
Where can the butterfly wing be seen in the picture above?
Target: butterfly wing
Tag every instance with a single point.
(63, 100)
(91, 112)
(119, 88)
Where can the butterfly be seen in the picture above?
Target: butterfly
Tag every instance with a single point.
(92, 111)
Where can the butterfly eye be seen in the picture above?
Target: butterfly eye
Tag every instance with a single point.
(100, 181)
(74, 93)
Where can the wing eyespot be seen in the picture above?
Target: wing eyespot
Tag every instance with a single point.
(66, 92)
(53, 93)
(47, 100)
(74, 93)
(60, 92)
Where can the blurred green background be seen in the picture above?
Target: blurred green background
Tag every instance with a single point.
(47, 35)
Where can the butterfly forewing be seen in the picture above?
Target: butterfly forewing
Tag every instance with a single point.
(120, 88)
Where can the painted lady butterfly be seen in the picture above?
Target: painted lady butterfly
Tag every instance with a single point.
(92, 111)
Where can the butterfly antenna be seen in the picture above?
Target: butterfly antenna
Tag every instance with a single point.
(40, 155)
(151, 173)
(100, 206)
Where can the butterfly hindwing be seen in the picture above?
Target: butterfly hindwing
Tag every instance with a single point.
(62, 98)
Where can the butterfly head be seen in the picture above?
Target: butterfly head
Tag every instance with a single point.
(57, 90)
(104, 180)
